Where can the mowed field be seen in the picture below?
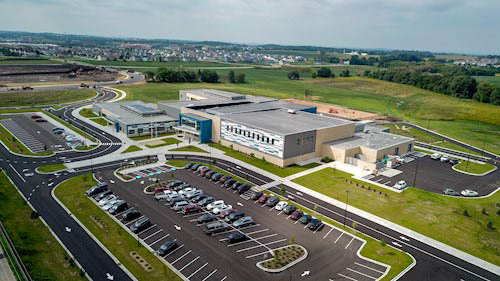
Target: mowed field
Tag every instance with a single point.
(466, 120)
(30, 98)
(490, 79)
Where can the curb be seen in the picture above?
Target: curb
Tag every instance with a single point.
(471, 174)
(49, 173)
(281, 269)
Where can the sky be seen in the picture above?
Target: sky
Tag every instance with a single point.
(462, 26)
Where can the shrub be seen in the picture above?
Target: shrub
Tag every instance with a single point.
(466, 213)
(326, 159)
(382, 242)
(490, 225)
(483, 211)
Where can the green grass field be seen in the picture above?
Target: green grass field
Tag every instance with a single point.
(190, 64)
(474, 167)
(132, 148)
(490, 79)
(109, 233)
(100, 121)
(87, 113)
(51, 168)
(466, 120)
(177, 163)
(40, 252)
(167, 141)
(439, 217)
(30, 98)
(189, 148)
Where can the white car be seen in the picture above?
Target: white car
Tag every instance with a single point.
(28, 174)
(187, 190)
(106, 200)
(444, 158)
(400, 185)
(219, 209)
(469, 193)
(281, 205)
(215, 204)
(164, 195)
(436, 156)
(110, 204)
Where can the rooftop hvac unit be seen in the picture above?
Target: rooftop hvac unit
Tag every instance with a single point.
(291, 111)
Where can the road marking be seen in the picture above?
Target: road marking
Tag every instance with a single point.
(397, 244)
(258, 246)
(349, 243)
(208, 276)
(279, 213)
(175, 250)
(223, 278)
(149, 236)
(17, 172)
(151, 227)
(198, 270)
(365, 266)
(347, 277)
(117, 215)
(288, 217)
(132, 221)
(306, 225)
(361, 273)
(236, 229)
(159, 240)
(256, 255)
(190, 263)
(193, 220)
(404, 238)
(257, 231)
(179, 258)
(386, 183)
(258, 238)
(338, 238)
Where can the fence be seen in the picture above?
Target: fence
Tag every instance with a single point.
(17, 266)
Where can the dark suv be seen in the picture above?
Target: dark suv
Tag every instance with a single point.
(97, 189)
(140, 225)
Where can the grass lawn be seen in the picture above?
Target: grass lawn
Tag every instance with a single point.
(166, 141)
(31, 98)
(40, 252)
(75, 129)
(189, 148)
(15, 145)
(51, 168)
(132, 148)
(177, 163)
(85, 148)
(264, 165)
(433, 215)
(474, 167)
(100, 121)
(147, 137)
(112, 235)
(87, 113)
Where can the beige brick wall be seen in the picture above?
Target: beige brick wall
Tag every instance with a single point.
(331, 134)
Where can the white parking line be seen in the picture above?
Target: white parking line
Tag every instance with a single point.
(179, 258)
(349, 243)
(279, 213)
(306, 225)
(191, 215)
(178, 248)
(189, 263)
(223, 278)
(160, 240)
(258, 246)
(117, 215)
(132, 221)
(236, 229)
(338, 238)
(361, 273)
(347, 277)
(198, 270)
(365, 266)
(193, 220)
(257, 231)
(149, 236)
(288, 217)
(151, 227)
(386, 183)
(256, 255)
(208, 276)
(258, 238)
(327, 233)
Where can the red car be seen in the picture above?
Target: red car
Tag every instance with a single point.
(223, 179)
(226, 213)
(263, 198)
(296, 215)
(161, 189)
(40, 120)
(204, 171)
(191, 209)
(35, 116)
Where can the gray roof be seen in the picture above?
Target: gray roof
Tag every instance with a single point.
(256, 107)
(195, 116)
(129, 117)
(211, 93)
(373, 140)
(283, 123)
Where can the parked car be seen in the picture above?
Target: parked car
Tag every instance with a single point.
(40, 120)
(243, 222)
(198, 198)
(118, 207)
(229, 183)
(174, 183)
(289, 209)
(215, 204)
(234, 216)
(160, 189)
(453, 161)
(271, 202)
(201, 167)
(58, 132)
(244, 188)
(444, 158)
(316, 225)
(179, 205)
(206, 218)
(167, 247)
(236, 185)
(206, 201)
(186, 190)
(97, 189)
(140, 225)
(305, 219)
(281, 205)
(216, 227)
(106, 200)
(36, 116)
(191, 209)
(209, 174)
(400, 185)
(257, 195)
(436, 156)
(188, 165)
(237, 237)
(218, 209)
(216, 177)
(223, 214)
(195, 166)
(110, 204)
(263, 199)
(204, 171)
(164, 195)
(297, 214)
(130, 215)
(469, 193)
(450, 191)
(101, 195)
(181, 187)
(177, 200)
(194, 193)
(174, 196)
(57, 129)
(223, 179)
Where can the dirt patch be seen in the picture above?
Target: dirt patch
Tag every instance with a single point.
(339, 111)
(153, 142)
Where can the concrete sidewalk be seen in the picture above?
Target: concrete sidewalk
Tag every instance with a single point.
(6, 273)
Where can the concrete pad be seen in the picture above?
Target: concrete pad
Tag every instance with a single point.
(390, 173)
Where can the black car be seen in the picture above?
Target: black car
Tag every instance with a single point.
(271, 202)
(305, 219)
(453, 161)
(243, 188)
(199, 198)
(237, 237)
(118, 208)
(257, 195)
(315, 225)
(289, 209)
(206, 201)
(188, 166)
(206, 218)
(140, 225)
(167, 247)
(174, 184)
(101, 195)
(216, 176)
(236, 185)
(97, 189)
(209, 174)
(229, 183)
(182, 186)
(130, 215)
(234, 216)
(195, 166)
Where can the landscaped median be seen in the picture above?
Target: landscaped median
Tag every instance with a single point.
(116, 239)
(467, 224)
(50, 168)
(474, 168)
(162, 142)
(189, 148)
(132, 148)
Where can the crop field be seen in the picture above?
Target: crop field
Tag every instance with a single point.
(490, 79)
(466, 120)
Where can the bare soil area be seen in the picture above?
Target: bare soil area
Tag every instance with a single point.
(339, 111)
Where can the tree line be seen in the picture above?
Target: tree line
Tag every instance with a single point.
(323, 72)
(460, 86)
(167, 75)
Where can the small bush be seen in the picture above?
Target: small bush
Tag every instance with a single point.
(326, 159)
(466, 213)
(483, 211)
(382, 242)
(490, 225)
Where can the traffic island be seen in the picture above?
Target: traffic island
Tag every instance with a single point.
(283, 258)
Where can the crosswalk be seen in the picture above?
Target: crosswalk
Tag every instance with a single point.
(111, 143)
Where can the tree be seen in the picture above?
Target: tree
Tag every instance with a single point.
(209, 76)
(324, 72)
(382, 242)
(293, 75)
(240, 77)
(231, 77)
(484, 91)
(490, 225)
(466, 213)
(149, 75)
(306, 93)
(345, 73)
(314, 74)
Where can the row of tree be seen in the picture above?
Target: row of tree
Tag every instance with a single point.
(236, 77)
(460, 86)
(166, 75)
(323, 72)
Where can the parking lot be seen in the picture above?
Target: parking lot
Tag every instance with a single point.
(435, 176)
(37, 136)
(331, 252)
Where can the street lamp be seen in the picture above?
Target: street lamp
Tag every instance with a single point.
(416, 170)
(346, 203)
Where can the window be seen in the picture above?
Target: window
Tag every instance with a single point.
(410, 147)
(227, 127)
(131, 132)
(298, 141)
(272, 141)
(267, 139)
(258, 137)
(396, 151)
(139, 131)
(253, 135)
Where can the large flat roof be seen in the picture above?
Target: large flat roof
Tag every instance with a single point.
(270, 105)
(210, 93)
(130, 117)
(281, 122)
(373, 140)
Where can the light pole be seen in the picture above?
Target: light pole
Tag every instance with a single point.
(416, 170)
(484, 145)
(346, 203)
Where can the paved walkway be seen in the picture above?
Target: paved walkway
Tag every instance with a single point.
(6, 273)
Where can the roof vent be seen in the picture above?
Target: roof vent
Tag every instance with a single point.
(291, 111)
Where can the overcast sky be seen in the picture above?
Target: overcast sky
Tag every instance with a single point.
(467, 26)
